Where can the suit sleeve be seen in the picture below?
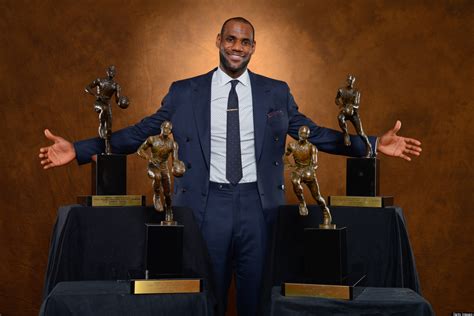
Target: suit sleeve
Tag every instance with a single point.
(129, 139)
(325, 139)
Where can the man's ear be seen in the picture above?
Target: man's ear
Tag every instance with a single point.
(218, 40)
(254, 46)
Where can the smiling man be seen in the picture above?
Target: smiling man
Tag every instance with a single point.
(231, 126)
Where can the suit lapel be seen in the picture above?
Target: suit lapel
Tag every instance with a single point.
(260, 99)
(201, 97)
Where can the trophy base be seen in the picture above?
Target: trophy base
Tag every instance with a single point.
(362, 177)
(111, 200)
(164, 250)
(360, 201)
(109, 175)
(325, 255)
(348, 291)
(166, 286)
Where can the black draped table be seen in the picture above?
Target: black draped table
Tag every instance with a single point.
(90, 298)
(377, 244)
(108, 243)
(372, 301)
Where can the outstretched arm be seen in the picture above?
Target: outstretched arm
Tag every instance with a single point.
(393, 145)
(60, 153)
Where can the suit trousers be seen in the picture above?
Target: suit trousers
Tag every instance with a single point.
(235, 231)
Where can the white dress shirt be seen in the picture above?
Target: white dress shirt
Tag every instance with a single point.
(220, 89)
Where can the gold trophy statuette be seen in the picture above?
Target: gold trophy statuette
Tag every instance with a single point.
(103, 89)
(162, 146)
(348, 101)
(304, 171)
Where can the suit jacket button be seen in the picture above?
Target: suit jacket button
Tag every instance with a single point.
(188, 165)
(276, 163)
(276, 138)
(183, 190)
(188, 139)
(282, 187)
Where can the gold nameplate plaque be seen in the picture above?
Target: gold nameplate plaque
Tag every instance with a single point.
(112, 200)
(173, 286)
(361, 201)
(318, 290)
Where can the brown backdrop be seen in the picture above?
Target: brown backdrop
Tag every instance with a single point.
(413, 61)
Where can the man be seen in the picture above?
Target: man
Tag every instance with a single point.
(217, 117)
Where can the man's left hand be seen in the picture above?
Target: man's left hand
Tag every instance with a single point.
(393, 145)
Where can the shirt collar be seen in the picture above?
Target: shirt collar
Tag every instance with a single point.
(223, 78)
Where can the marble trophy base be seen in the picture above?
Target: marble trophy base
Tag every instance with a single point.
(362, 185)
(164, 263)
(109, 175)
(325, 255)
(109, 183)
(164, 251)
(362, 176)
(325, 267)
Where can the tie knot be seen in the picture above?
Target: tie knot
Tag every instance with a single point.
(234, 83)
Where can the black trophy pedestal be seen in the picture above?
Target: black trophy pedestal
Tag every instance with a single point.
(109, 175)
(325, 255)
(362, 178)
(109, 183)
(362, 185)
(164, 263)
(164, 251)
(324, 270)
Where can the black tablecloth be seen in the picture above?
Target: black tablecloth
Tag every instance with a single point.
(377, 244)
(372, 301)
(108, 243)
(114, 298)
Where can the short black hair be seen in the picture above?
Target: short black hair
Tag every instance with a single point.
(242, 20)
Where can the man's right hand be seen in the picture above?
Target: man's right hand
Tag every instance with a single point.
(58, 154)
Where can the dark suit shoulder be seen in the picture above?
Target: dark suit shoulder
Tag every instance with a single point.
(269, 81)
(197, 80)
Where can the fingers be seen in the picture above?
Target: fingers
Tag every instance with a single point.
(405, 157)
(46, 163)
(412, 152)
(413, 141)
(415, 148)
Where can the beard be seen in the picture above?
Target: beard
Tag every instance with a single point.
(228, 67)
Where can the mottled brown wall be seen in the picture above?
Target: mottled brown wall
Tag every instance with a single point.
(413, 60)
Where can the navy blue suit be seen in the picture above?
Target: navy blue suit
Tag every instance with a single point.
(187, 106)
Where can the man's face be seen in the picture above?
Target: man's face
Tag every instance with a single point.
(236, 46)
